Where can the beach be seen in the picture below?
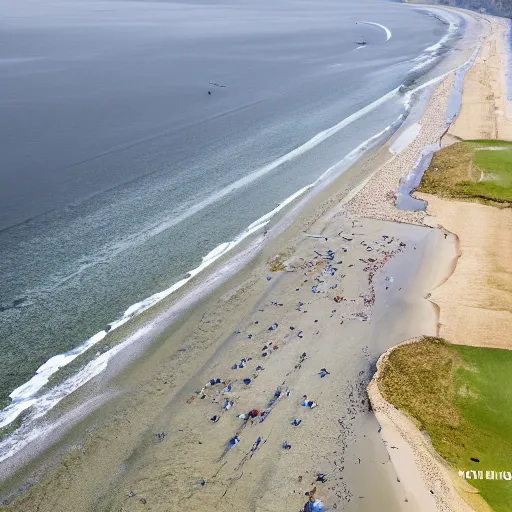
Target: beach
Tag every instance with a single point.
(258, 394)
(474, 299)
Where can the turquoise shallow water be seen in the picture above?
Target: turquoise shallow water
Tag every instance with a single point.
(121, 172)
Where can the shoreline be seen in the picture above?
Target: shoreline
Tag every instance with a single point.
(26, 395)
(475, 323)
(372, 195)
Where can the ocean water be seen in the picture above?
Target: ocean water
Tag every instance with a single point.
(120, 173)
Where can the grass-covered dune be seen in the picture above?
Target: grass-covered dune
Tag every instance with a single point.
(461, 396)
(478, 170)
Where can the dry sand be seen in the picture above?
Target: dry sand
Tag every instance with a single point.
(377, 199)
(475, 301)
(485, 112)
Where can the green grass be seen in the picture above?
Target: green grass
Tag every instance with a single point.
(462, 396)
(467, 172)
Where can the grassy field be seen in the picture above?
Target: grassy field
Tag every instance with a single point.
(469, 171)
(462, 396)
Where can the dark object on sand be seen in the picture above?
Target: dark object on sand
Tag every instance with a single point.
(131, 494)
(287, 446)
(323, 372)
(474, 459)
(143, 501)
(321, 477)
(160, 436)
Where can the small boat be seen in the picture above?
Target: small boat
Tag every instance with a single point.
(361, 43)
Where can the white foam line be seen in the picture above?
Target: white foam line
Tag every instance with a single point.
(189, 210)
(386, 29)
(430, 53)
(26, 391)
(42, 404)
(408, 96)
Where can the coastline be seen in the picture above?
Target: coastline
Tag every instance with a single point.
(474, 300)
(63, 373)
(372, 198)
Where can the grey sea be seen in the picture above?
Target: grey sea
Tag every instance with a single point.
(138, 137)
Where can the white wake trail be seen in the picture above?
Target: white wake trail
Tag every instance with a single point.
(389, 34)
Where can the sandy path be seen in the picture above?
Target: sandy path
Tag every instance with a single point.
(485, 112)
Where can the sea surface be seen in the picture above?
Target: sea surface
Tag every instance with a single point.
(120, 173)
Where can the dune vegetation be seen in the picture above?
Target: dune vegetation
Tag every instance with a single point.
(479, 170)
(461, 396)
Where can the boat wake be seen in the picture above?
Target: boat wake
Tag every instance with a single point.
(389, 34)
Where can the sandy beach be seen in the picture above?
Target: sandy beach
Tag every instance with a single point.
(474, 301)
(482, 281)
(211, 416)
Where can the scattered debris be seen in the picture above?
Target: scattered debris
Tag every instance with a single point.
(234, 441)
(308, 403)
